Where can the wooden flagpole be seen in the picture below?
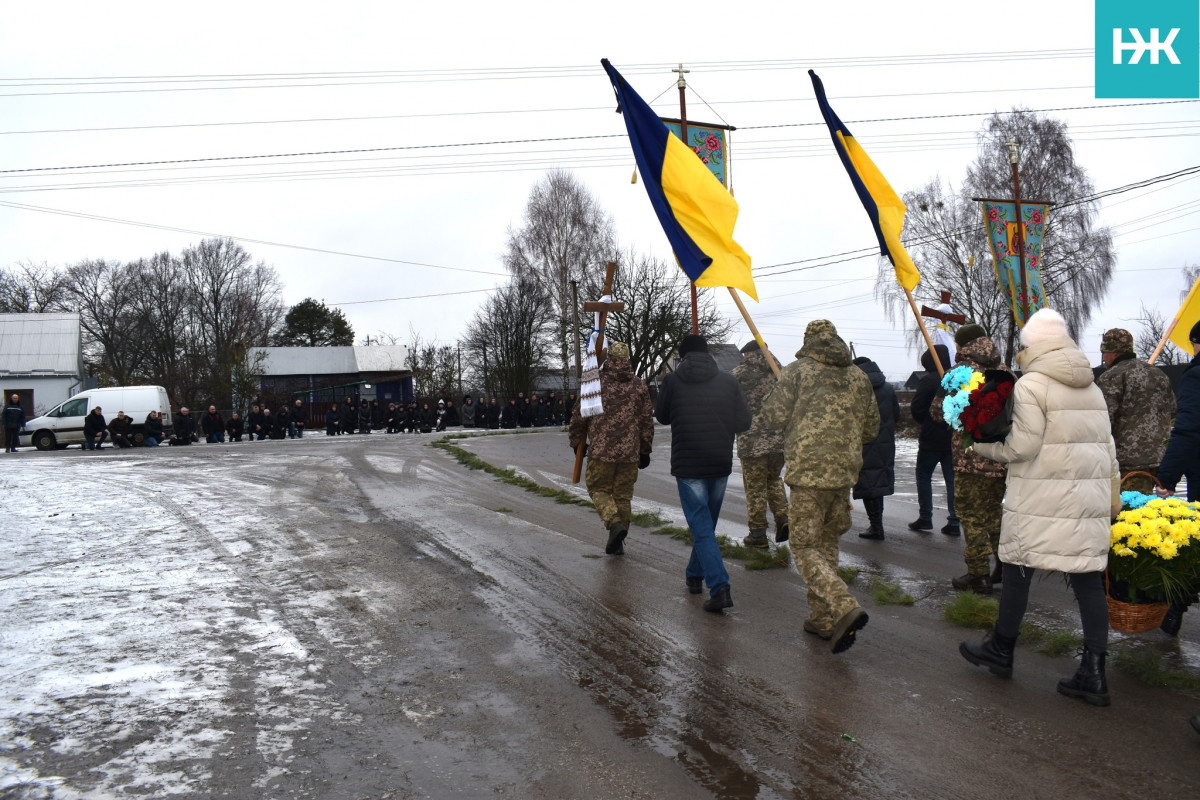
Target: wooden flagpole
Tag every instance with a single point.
(754, 330)
(937, 362)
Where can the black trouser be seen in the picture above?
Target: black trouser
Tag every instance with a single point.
(874, 508)
(12, 437)
(1089, 594)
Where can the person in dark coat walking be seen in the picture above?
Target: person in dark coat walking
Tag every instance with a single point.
(1182, 458)
(933, 447)
(706, 409)
(877, 478)
(14, 422)
(95, 429)
(234, 427)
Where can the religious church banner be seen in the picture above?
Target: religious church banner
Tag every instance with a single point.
(1001, 221)
(708, 144)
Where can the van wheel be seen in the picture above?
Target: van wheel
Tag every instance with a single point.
(43, 440)
(139, 439)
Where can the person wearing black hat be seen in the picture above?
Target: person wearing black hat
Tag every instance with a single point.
(706, 409)
(1182, 458)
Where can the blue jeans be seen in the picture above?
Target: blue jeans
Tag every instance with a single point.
(151, 442)
(701, 500)
(926, 461)
(215, 438)
(94, 441)
(295, 431)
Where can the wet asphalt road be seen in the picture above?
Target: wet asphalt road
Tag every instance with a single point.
(476, 646)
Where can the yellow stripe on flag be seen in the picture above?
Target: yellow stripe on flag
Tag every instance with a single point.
(1189, 315)
(891, 210)
(707, 213)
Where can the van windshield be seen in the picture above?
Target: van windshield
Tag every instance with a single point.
(72, 408)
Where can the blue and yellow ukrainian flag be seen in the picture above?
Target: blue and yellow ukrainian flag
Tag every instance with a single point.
(696, 212)
(883, 205)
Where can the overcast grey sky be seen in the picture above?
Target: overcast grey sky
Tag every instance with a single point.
(96, 84)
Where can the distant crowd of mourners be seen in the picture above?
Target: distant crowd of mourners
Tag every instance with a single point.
(351, 416)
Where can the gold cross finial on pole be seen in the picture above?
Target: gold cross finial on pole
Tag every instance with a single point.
(682, 72)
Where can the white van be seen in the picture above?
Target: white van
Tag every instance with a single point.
(63, 425)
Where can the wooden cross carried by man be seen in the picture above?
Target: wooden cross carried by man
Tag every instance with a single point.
(590, 404)
(944, 315)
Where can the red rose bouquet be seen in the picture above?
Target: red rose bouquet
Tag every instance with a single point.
(988, 415)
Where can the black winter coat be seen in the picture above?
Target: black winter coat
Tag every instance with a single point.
(706, 409)
(332, 418)
(212, 423)
(468, 414)
(185, 426)
(878, 475)
(257, 423)
(510, 417)
(1183, 450)
(235, 427)
(14, 416)
(935, 435)
(153, 427)
(94, 424)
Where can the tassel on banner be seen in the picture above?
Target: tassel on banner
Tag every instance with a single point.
(634, 178)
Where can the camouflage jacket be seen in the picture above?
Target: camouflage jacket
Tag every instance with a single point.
(625, 430)
(1141, 407)
(826, 409)
(757, 380)
(980, 355)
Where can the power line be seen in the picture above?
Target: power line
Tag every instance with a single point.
(541, 140)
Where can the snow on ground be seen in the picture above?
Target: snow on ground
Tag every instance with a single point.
(130, 635)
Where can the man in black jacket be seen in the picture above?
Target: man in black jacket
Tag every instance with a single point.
(14, 421)
(214, 426)
(234, 427)
(933, 448)
(184, 426)
(121, 429)
(705, 409)
(95, 429)
(258, 428)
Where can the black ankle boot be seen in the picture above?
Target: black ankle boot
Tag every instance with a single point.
(995, 653)
(1088, 682)
(719, 601)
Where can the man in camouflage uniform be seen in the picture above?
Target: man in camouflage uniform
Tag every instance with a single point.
(760, 450)
(618, 443)
(978, 481)
(826, 409)
(1141, 407)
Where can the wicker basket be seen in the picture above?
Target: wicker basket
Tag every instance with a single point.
(1134, 617)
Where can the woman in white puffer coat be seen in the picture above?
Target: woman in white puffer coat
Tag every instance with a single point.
(1063, 489)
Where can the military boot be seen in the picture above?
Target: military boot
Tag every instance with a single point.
(1088, 683)
(979, 584)
(995, 653)
(782, 533)
(616, 538)
(757, 538)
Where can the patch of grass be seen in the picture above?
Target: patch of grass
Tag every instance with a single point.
(847, 574)
(888, 594)
(779, 558)
(682, 535)
(472, 461)
(674, 531)
(502, 510)
(972, 611)
(591, 555)
(647, 519)
(1054, 643)
(1147, 664)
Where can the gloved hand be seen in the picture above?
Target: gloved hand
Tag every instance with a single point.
(643, 460)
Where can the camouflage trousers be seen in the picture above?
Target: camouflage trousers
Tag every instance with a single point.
(611, 489)
(818, 518)
(978, 501)
(1139, 483)
(764, 487)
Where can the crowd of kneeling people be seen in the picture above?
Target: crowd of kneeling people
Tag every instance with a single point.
(349, 417)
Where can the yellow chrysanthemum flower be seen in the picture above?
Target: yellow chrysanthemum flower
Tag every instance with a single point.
(1126, 552)
(1167, 550)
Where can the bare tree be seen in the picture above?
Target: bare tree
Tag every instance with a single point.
(565, 236)
(658, 311)
(33, 289)
(509, 341)
(1153, 326)
(102, 292)
(949, 241)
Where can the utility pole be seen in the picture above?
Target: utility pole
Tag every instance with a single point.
(683, 134)
(458, 347)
